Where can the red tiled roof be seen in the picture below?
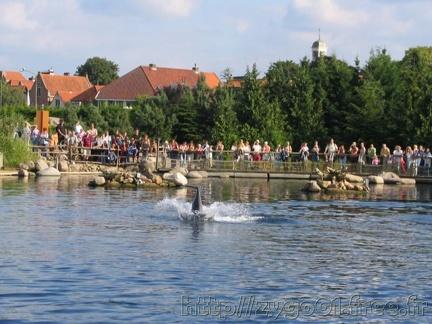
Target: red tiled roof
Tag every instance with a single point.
(17, 80)
(65, 83)
(88, 95)
(145, 80)
(13, 76)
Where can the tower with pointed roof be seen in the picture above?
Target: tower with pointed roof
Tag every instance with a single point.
(319, 48)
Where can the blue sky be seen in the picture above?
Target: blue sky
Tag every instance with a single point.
(213, 34)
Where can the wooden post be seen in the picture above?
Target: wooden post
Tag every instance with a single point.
(42, 119)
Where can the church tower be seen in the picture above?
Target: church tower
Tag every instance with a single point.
(319, 48)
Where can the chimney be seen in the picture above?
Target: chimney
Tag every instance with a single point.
(153, 66)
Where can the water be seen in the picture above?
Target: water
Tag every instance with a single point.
(266, 252)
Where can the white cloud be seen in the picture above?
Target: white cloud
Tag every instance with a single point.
(332, 12)
(14, 16)
(180, 8)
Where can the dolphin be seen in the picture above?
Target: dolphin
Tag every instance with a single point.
(196, 202)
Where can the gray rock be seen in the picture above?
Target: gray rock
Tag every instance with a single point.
(31, 165)
(48, 172)
(63, 166)
(177, 178)
(376, 179)
(23, 173)
(41, 164)
(98, 181)
(353, 178)
(194, 175)
(23, 166)
(148, 166)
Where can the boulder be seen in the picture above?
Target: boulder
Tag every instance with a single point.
(407, 181)
(23, 173)
(148, 166)
(74, 168)
(203, 173)
(158, 180)
(48, 172)
(194, 175)
(390, 178)
(176, 177)
(63, 157)
(63, 166)
(31, 165)
(41, 164)
(375, 179)
(97, 181)
(312, 186)
(353, 178)
(23, 166)
(183, 171)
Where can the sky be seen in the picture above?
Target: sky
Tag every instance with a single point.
(213, 34)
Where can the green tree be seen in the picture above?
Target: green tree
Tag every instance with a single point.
(250, 100)
(416, 78)
(206, 117)
(89, 114)
(186, 128)
(225, 127)
(305, 117)
(280, 78)
(10, 96)
(117, 117)
(100, 71)
(368, 107)
(154, 116)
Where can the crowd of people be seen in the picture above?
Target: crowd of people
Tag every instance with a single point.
(133, 148)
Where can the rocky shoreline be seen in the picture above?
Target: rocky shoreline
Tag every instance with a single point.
(143, 174)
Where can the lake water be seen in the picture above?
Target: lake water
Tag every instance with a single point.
(267, 253)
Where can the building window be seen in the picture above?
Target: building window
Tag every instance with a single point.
(57, 103)
(38, 92)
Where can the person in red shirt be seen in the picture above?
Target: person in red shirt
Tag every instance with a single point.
(87, 141)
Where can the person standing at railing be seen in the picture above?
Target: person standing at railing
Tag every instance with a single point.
(17, 131)
(266, 155)
(353, 151)
(256, 153)
(182, 150)
(190, 153)
(145, 147)
(371, 152)
(246, 153)
(208, 154)
(219, 155)
(277, 157)
(26, 132)
(87, 142)
(304, 154)
(61, 134)
(342, 157)
(315, 155)
(362, 154)
(44, 141)
(398, 158)
(34, 137)
(330, 151)
(385, 154)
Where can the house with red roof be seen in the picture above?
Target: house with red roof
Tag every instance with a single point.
(17, 80)
(56, 90)
(149, 81)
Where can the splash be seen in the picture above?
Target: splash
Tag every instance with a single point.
(218, 211)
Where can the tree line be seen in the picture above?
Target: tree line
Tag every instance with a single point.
(384, 101)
